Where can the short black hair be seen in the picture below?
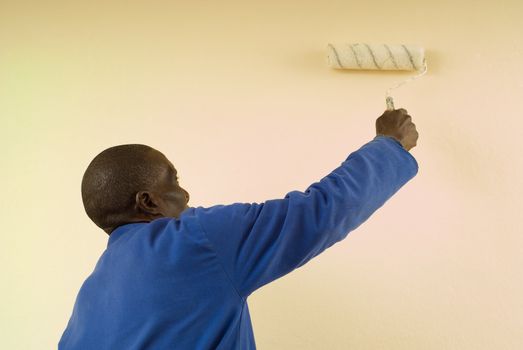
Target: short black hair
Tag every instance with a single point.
(113, 178)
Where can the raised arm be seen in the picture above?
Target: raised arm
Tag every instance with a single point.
(257, 243)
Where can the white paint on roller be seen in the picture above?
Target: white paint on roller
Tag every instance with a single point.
(375, 56)
(378, 57)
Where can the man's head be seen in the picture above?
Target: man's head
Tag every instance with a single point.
(131, 183)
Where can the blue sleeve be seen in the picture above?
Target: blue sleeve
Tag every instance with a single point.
(257, 243)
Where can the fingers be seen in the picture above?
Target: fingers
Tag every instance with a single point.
(398, 124)
(400, 115)
(400, 110)
(403, 111)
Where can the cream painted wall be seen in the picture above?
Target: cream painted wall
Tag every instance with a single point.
(238, 95)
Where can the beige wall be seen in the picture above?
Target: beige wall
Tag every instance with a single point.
(238, 95)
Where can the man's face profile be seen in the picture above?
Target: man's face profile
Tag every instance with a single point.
(171, 198)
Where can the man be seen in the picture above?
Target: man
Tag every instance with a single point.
(178, 277)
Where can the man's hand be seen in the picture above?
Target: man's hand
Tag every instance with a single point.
(398, 124)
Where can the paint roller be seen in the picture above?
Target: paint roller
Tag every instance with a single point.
(378, 57)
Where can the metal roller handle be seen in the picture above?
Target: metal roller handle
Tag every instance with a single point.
(390, 103)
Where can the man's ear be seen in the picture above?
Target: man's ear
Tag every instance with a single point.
(147, 202)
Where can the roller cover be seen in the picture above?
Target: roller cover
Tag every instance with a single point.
(375, 56)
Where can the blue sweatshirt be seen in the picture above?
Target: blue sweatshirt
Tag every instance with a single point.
(183, 283)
